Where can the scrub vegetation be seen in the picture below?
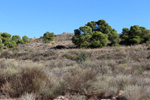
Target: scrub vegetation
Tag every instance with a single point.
(94, 63)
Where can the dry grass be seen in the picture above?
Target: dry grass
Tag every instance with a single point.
(36, 69)
(27, 80)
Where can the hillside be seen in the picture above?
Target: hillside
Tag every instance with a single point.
(46, 71)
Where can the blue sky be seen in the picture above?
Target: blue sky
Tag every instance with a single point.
(34, 17)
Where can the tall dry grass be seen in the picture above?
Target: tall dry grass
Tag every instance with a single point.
(47, 73)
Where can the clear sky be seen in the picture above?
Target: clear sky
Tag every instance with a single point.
(35, 17)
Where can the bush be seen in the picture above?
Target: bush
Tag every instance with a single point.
(28, 80)
(17, 39)
(82, 57)
(25, 39)
(10, 44)
(21, 42)
(133, 92)
(48, 36)
(95, 35)
(78, 80)
(5, 37)
(6, 75)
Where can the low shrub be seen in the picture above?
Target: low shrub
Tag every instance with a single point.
(69, 56)
(79, 80)
(48, 36)
(83, 56)
(28, 80)
(133, 92)
(6, 75)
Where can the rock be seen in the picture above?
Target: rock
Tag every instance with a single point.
(61, 98)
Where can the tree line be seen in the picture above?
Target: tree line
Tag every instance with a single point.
(94, 34)
(9, 41)
(97, 34)
(6, 40)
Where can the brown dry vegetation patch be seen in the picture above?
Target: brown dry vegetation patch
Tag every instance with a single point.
(37, 71)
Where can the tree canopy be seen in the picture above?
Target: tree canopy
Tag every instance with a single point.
(11, 41)
(135, 35)
(93, 35)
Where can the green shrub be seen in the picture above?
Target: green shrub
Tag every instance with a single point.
(48, 36)
(69, 56)
(17, 39)
(10, 44)
(21, 42)
(82, 57)
(5, 37)
(6, 40)
(25, 39)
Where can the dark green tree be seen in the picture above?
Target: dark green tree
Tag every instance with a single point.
(92, 24)
(145, 35)
(81, 41)
(83, 37)
(113, 38)
(136, 35)
(104, 27)
(125, 36)
(99, 39)
(86, 29)
(77, 32)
